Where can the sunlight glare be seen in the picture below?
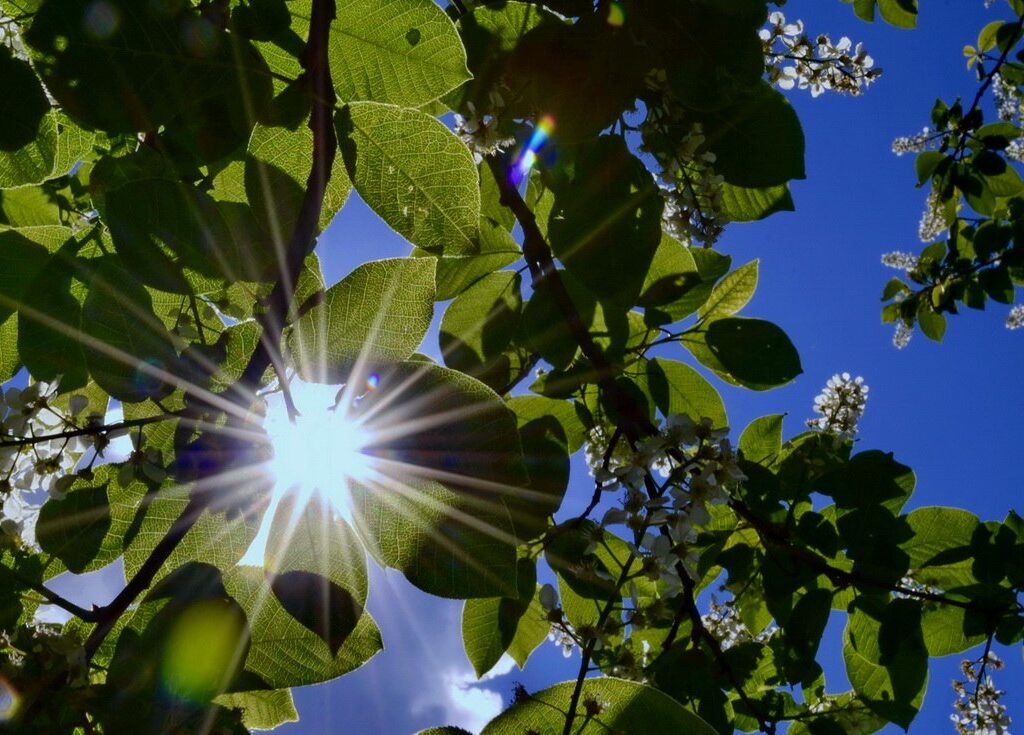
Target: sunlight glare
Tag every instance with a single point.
(322, 451)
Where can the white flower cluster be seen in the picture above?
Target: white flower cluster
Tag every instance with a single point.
(910, 588)
(915, 143)
(792, 59)
(598, 441)
(841, 405)
(723, 622)
(1015, 319)
(692, 190)
(11, 38)
(1008, 101)
(979, 710)
(699, 466)
(901, 337)
(900, 261)
(31, 473)
(1015, 151)
(479, 131)
(933, 220)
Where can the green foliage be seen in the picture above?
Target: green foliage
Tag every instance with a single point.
(167, 172)
(616, 705)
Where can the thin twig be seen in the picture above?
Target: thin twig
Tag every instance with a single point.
(88, 430)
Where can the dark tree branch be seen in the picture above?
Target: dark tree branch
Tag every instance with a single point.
(544, 274)
(88, 430)
(317, 77)
(53, 598)
(519, 377)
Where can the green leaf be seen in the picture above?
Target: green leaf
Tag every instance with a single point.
(529, 409)
(262, 710)
(741, 204)
(446, 544)
(933, 324)
(171, 235)
(761, 441)
(748, 352)
(431, 422)
(886, 659)
(871, 478)
(758, 142)
(948, 630)
(284, 653)
(678, 388)
(732, 293)
(605, 225)
(316, 567)
(49, 320)
(456, 273)
(679, 281)
(215, 539)
(413, 172)
(489, 625)
(127, 69)
(128, 351)
(626, 707)
(532, 630)
(939, 547)
(73, 145)
(10, 360)
(402, 52)
(900, 13)
(277, 167)
(28, 131)
(379, 312)
(73, 529)
(23, 255)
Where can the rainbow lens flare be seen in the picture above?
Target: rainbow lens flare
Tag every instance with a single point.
(527, 157)
(9, 701)
(616, 14)
(372, 381)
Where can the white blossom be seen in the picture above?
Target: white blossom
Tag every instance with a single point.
(978, 705)
(479, 129)
(901, 337)
(900, 261)
(1015, 319)
(841, 405)
(723, 622)
(914, 143)
(933, 221)
(1008, 101)
(793, 59)
(11, 38)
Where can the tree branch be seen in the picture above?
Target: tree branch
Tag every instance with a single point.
(544, 274)
(317, 76)
(88, 430)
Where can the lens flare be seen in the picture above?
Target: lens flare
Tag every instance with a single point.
(323, 450)
(527, 157)
(616, 14)
(101, 20)
(9, 701)
(206, 644)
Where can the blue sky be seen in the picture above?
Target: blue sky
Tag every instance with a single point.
(953, 412)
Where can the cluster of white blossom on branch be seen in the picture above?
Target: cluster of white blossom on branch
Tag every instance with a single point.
(794, 59)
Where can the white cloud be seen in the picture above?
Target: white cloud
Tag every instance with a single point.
(470, 705)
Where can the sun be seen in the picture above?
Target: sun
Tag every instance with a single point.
(324, 450)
